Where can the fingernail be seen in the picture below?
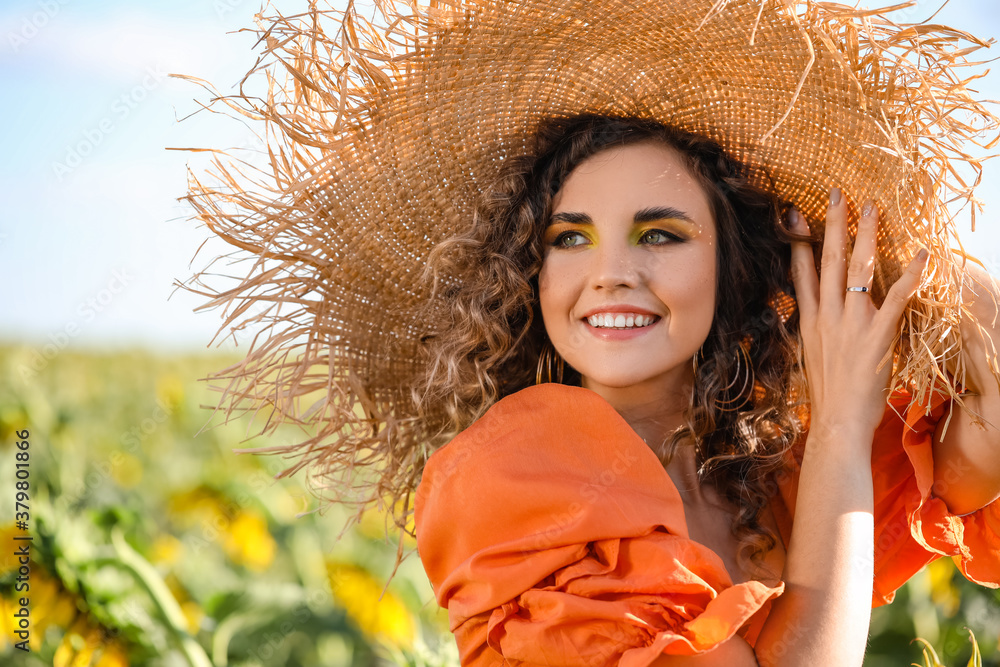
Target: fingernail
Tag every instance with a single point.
(868, 208)
(922, 255)
(798, 221)
(834, 196)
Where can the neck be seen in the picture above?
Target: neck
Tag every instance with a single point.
(654, 409)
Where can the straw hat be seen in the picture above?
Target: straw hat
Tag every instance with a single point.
(382, 134)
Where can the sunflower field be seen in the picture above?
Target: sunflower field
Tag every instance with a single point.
(151, 543)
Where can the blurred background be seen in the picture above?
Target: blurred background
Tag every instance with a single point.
(153, 543)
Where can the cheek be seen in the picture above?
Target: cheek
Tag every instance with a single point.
(707, 285)
(555, 284)
(688, 283)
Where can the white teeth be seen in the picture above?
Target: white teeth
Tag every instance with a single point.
(620, 321)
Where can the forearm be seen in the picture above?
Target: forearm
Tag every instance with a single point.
(823, 616)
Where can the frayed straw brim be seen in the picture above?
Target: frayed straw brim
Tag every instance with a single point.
(383, 134)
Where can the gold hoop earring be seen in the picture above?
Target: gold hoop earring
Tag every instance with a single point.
(741, 398)
(546, 359)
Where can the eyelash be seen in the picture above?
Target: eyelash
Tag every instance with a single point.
(558, 242)
(672, 238)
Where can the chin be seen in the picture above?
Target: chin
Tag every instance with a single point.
(623, 379)
(668, 375)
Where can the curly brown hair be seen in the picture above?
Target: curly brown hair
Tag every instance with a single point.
(491, 344)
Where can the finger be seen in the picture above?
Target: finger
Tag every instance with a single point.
(862, 265)
(898, 296)
(804, 276)
(833, 274)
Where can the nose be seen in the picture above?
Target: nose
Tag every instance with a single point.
(614, 267)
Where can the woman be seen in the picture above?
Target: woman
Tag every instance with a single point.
(703, 490)
(654, 251)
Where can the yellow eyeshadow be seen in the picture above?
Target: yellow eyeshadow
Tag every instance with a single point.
(557, 228)
(673, 225)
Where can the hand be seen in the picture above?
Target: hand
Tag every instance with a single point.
(846, 339)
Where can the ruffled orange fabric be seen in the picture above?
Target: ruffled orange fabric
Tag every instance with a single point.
(912, 526)
(553, 536)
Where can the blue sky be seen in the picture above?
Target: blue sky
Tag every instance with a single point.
(91, 244)
(96, 240)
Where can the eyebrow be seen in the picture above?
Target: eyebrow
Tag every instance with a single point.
(645, 215)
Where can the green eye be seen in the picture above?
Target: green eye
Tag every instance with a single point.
(658, 237)
(570, 240)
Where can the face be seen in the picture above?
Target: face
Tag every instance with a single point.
(627, 285)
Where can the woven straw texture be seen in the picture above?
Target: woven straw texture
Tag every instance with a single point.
(381, 136)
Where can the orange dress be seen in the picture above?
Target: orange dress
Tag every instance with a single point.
(553, 535)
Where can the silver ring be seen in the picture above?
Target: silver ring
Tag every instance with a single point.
(857, 289)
